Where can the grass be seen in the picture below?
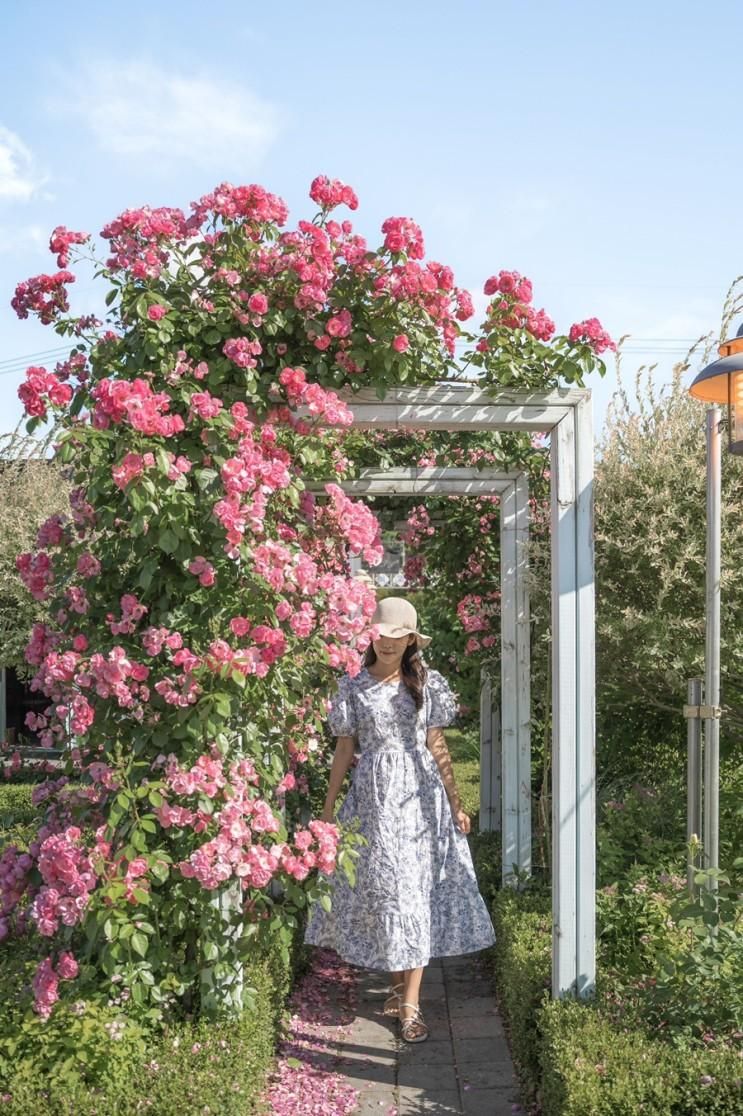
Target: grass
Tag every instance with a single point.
(464, 749)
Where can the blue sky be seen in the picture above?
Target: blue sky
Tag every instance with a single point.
(592, 147)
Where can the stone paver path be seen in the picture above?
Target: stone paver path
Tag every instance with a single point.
(464, 1067)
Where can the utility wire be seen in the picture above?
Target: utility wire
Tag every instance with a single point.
(669, 346)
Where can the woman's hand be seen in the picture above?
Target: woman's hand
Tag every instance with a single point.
(327, 815)
(461, 820)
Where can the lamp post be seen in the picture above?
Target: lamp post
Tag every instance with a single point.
(720, 383)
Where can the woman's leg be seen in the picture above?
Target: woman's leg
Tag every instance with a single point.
(393, 1000)
(411, 991)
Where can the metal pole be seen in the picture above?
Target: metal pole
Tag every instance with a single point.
(693, 778)
(712, 649)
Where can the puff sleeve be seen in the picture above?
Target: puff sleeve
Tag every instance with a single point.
(441, 702)
(342, 712)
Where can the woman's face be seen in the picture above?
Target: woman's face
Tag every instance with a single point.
(390, 650)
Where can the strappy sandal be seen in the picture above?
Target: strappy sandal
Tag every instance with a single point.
(416, 1021)
(392, 1003)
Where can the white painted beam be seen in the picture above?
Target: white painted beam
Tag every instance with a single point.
(454, 482)
(523, 673)
(509, 689)
(564, 710)
(585, 791)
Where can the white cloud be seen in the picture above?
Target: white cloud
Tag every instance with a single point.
(19, 177)
(19, 239)
(136, 109)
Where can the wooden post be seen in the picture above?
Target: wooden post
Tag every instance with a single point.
(523, 673)
(573, 706)
(515, 683)
(509, 689)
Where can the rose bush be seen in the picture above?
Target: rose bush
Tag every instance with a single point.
(198, 589)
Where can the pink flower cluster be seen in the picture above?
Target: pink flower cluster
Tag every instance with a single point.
(418, 527)
(43, 295)
(401, 234)
(329, 193)
(432, 288)
(476, 612)
(69, 877)
(135, 402)
(592, 333)
(512, 310)
(232, 203)
(42, 389)
(242, 351)
(259, 468)
(132, 611)
(133, 465)
(356, 523)
(240, 820)
(62, 240)
(36, 572)
(202, 569)
(15, 868)
(509, 283)
(46, 982)
(320, 403)
(205, 405)
(269, 644)
(139, 238)
(154, 639)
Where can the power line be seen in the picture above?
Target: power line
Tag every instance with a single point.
(651, 345)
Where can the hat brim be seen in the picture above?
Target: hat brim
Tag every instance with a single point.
(394, 631)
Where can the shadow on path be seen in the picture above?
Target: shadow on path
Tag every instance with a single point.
(463, 1068)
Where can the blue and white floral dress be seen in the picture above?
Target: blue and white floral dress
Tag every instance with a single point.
(416, 894)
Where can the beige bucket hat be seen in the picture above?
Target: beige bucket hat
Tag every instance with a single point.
(395, 617)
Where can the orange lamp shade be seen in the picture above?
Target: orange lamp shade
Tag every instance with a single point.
(722, 382)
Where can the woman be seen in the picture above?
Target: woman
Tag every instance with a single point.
(416, 895)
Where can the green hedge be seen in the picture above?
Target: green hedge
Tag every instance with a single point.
(190, 1067)
(16, 807)
(572, 1057)
(590, 1068)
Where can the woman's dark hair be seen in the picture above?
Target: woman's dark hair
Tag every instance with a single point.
(412, 670)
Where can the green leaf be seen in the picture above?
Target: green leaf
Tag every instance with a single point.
(167, 541)
(139, 943)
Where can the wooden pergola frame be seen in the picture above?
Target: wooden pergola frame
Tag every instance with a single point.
(567, 416)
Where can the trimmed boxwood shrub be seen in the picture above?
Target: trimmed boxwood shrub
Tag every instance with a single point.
(16, 807)
(522, 960)
(589, 1068)
(572, 1056)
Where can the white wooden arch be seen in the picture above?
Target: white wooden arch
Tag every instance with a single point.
(505, 760)
(567, 416)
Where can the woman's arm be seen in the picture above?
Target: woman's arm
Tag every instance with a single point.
(344, 750)
(436, 742)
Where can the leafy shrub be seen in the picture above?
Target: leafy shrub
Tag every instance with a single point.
(590, 1068)
(597, 1059)
(82, 1069)
(697, 990)
(645, 827)
(16, 807)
